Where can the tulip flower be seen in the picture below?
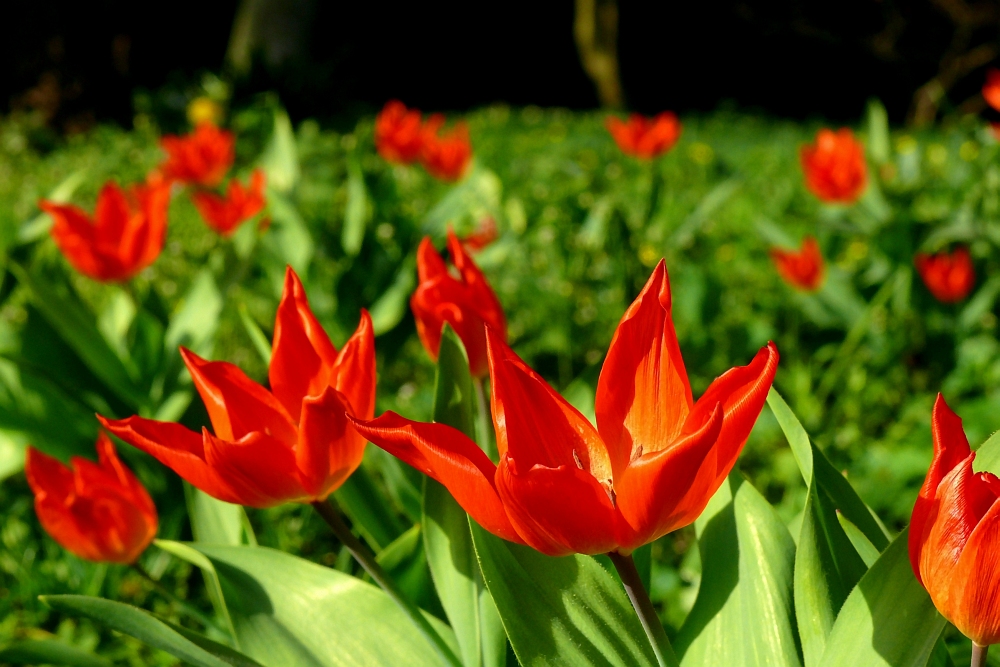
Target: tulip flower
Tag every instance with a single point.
(446, 156)
(835, 167)
(991, 88)
(290, 444)
(645, 138)
(803, 269)
(398, 133)
(465, 302)
(563, 486)
(200, 158)
(125, 235)
(225, 214)
(954, 538)
(98, 511)
(949, 277)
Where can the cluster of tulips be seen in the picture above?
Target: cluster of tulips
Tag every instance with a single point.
(556, 482)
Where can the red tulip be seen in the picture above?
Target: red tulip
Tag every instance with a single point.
(200, 158)
(446, 156)
(125, 236)
(290, 444)
(465, 303)
(563, 486)
(98, 511)
(645, 138)
(949, 277)
(835, 166)
(225, 214)
(991, 89)
(955, 533)
(398, 133)
(485, 234)
(803, 268)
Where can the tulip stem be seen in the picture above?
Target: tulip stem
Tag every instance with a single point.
(331, 514)
(979, 655)
(173, 599)
(644, 609)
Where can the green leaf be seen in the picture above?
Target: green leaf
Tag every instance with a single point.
(40, 225)
(280, 160)
(451, 554)
(212, 582)
(190, 647)
(368, 511)
(743, 615)
(257, 337)
(356, 212)
(560, 611)
(389, 309)
(290, 612)
(467, 202)
(49, 652)
(888, 620)
(290, 239)
(988, 455)
(216, 522)
(195, 321)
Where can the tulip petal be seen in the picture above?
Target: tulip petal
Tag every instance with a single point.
(979, 612)
(430, 264)
(951, 448)
(534, 424)
(484, 300)
(259, 468)
(111, 218)
(176, 447)
(643, 394)
(329, 448)
(47, 475)
(449, 456)
(236, 404)
(107, 456)
(353, 372)
(742, 392)
(667, 489)
(303, 353)
(73, 233)
(559, 511)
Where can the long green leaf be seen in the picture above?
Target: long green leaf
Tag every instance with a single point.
(356, 212)
(290, 612)
(451, 554)
(147, 628)
(49, 652)
(216, 522)
(888, 620)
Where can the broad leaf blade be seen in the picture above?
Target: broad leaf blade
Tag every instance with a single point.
(49, 652)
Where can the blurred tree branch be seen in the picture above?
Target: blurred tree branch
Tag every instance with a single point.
(595, 29)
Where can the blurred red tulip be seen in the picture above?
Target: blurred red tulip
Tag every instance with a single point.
(835, 166)
(446, 156)
(200, 158)
(485, 234)
(466, 303)
(803, 269)
(290, 444)
(98, 511)
(645, 138)
(225, 214)
(949, 277)
(991, 89)
(562, 486)
(954, 535)
(125, 236)
(398, 133)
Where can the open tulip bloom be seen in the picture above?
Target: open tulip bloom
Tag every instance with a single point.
(562, 486)
(290, 444)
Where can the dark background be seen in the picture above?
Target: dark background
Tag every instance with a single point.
(81, 62)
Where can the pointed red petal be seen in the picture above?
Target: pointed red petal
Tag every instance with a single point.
(111, 216)
(447, 455)
(47, 475)
(353, 372)
(303, 354)
(130, 484)
(643, 394)
(329, 447)
(430, 264)
(979, 610)
(259, 468)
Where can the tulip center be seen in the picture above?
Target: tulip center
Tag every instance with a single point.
(606, 483)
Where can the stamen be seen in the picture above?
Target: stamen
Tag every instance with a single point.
(610, 491)
(576, 457)
(636, 453)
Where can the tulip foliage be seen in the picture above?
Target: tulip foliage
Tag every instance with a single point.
(389, 398)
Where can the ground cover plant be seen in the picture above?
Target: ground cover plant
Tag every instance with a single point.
(868, 260)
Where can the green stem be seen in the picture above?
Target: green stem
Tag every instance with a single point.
(979, 655)
(331, 514)
(644, 609)
(181, 604)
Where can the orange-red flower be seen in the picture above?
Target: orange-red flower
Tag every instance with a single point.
(290, 444)
(835, 166)
(949, 277)
(563, 486)
(225, 214)
(803, 269)
(954, 535)
(446, 156)
(991, 88)
(465, 302)
(645, 138)
(399, 133)
(201, 158)
(485, 234)
(98, 511)
(125, 236)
